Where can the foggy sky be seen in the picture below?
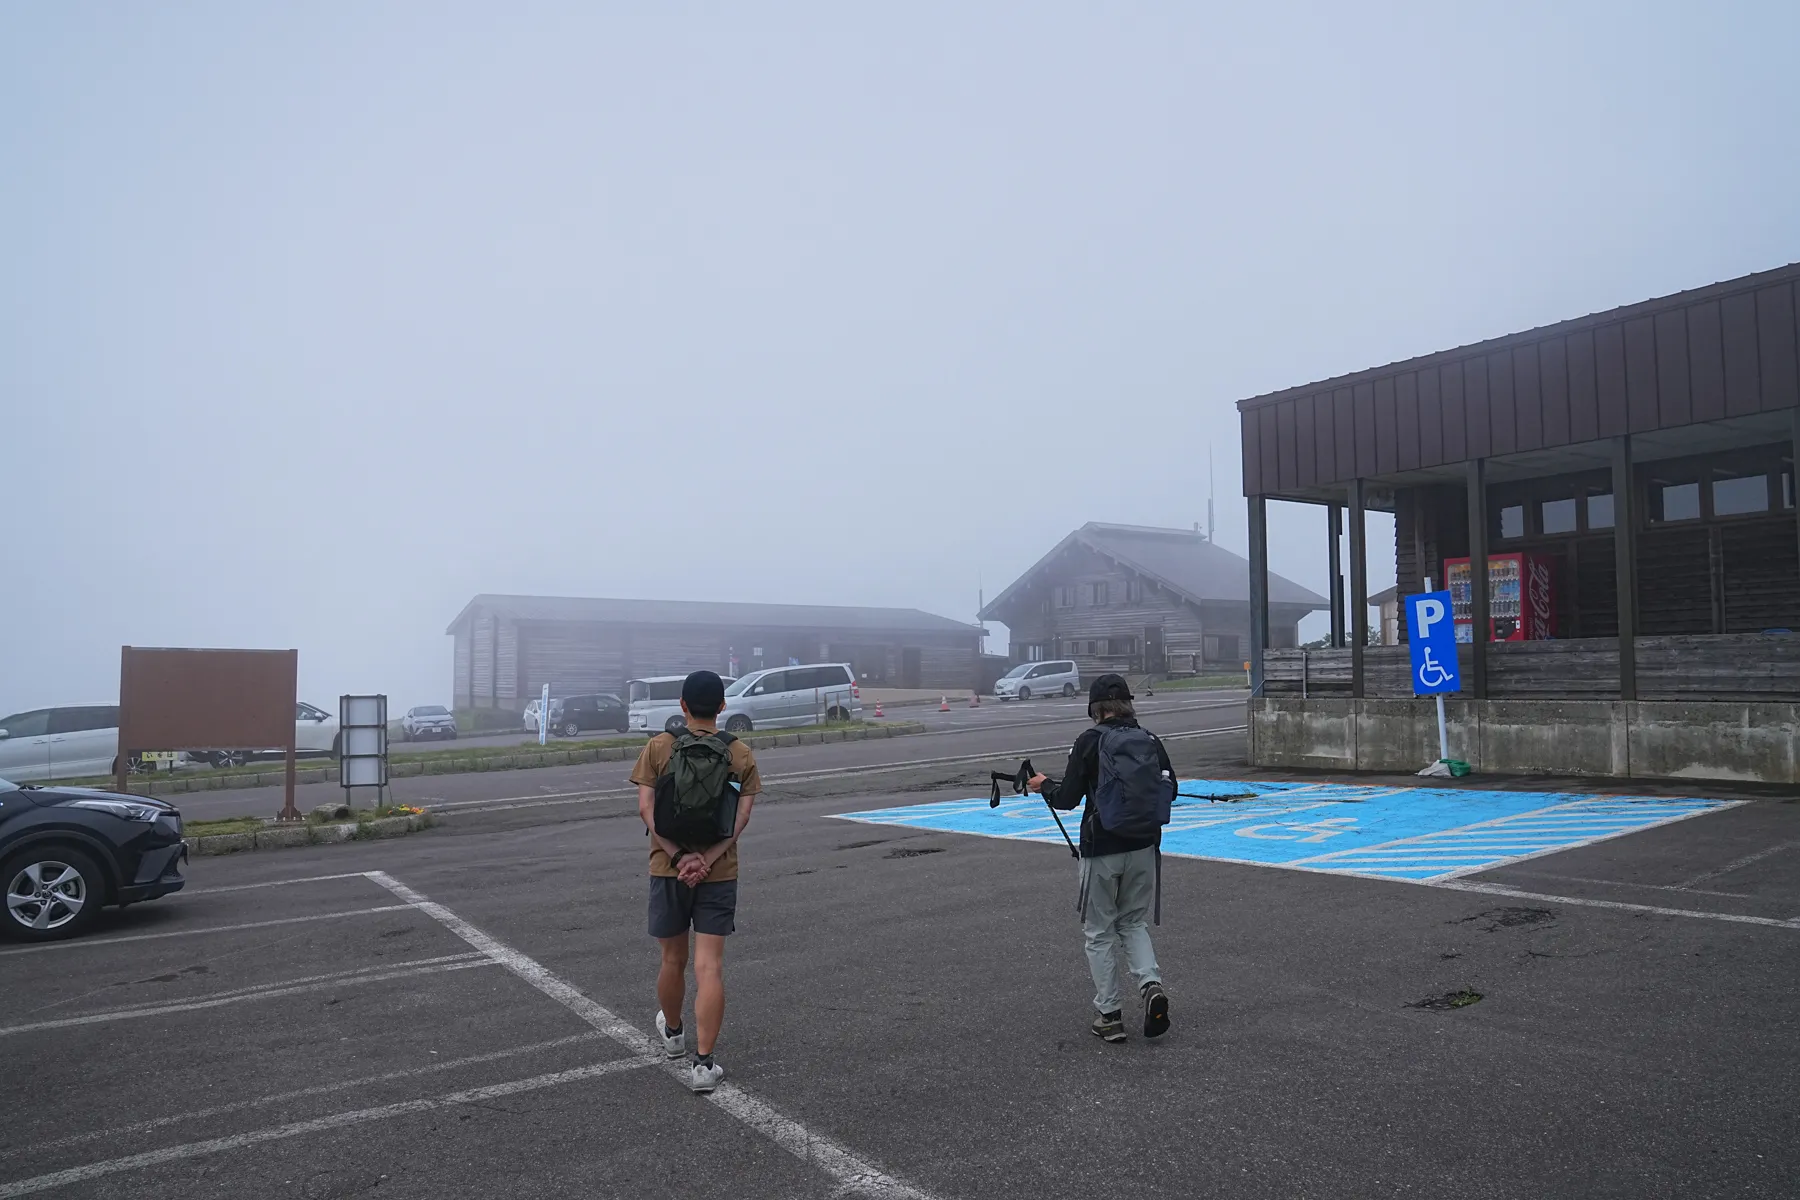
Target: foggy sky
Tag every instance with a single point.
(318, 319)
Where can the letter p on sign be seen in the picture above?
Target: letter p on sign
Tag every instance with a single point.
(1431, 611)
(1431, 637)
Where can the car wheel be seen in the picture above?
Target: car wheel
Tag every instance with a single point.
(1024, 693)
(675, 725)
(571, 729)
(837, 714)
(229, 758)
(737, 724)
(51, 892)
(451, 735)
(1068, 689)
(337, 746)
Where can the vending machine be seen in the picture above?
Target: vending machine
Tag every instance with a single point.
(1521, 597)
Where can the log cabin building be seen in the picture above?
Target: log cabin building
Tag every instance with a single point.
(1628, 476)
(1142, 600)
(508, 647)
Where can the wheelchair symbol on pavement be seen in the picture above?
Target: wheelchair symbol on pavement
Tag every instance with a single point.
(1431, 674)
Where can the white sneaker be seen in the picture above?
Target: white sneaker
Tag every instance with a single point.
(704, 1079)
(675, 1046)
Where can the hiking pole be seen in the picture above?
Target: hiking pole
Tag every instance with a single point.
(1021, 784)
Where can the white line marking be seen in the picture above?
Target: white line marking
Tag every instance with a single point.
(1594, 841)
(853, 1175)
(1622, 883)
(289, 988)
(1737, 864)
(245, 887)
(200, 1114)
(151, 1158)
(83, 943)
(1496, 889)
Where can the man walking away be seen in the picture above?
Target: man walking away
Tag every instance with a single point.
(1125, 775)
(695, 792)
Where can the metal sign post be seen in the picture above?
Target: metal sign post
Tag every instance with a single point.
(1431, 639)
(544, 716)
(363, 743)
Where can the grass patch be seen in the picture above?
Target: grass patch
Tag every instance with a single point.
(222, 825)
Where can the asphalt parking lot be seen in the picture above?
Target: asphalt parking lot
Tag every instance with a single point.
(465, 1013)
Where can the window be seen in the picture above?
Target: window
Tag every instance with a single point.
(1034, 652)
(1600, 511)
(1121, 646)
(1134, 591)
(1065, 597)
(1674, 501)
(1733, 495)
(1100, 594)
(774, 681)
(1512, 521)
(79, 720)
(1557, 516)
(27, 724)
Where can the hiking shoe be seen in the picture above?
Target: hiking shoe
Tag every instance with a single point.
(1156, 1010)
(1110, 1027)
(674, 1045)
(703, 1079)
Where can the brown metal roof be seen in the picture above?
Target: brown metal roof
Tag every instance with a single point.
(1730, 349)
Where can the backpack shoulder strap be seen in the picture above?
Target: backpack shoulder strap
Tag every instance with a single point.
(725, 739)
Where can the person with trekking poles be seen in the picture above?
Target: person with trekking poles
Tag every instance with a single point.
(695, 792)
(1124, 773)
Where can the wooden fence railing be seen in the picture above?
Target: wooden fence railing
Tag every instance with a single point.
(1734, 666)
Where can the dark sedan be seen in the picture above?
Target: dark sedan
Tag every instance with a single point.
(66, 852)
(574, 715)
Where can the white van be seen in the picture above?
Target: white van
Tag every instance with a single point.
(655, 703)
(1058, 678)
(75, 742)
(784, 696)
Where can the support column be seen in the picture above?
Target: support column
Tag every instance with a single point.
(1796, 475)
(1359, 589)
(1480, 627)
(1625, 563)
(1259, 589)
(1335, 563)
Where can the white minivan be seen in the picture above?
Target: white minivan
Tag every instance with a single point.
(800, 695)
(654, 704)
(1057, 678)
(74, 742)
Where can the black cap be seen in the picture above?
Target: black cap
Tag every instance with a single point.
(1108, 687)
(704, 693)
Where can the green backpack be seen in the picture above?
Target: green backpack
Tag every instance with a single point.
(696, 800)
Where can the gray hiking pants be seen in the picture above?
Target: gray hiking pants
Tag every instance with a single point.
(1117, 891)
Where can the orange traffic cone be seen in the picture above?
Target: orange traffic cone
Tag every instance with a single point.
(944, 704)
(878, 708)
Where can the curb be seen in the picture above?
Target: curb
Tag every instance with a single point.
(286, 837)
(409, 768)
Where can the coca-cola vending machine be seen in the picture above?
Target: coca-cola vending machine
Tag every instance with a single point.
(1521, 597)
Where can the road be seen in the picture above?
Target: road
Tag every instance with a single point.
(908, 1018)
(985, 736)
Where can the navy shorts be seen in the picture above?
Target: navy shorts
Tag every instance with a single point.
(675, 907)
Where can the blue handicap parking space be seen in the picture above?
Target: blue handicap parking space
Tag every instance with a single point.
(1420, 834)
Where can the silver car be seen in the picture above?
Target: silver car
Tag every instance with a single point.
(786, 696)
(1057, 678)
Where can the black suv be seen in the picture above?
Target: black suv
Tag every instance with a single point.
(66, 852)
(576, 714)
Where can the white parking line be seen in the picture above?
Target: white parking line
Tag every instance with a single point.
(84, 943)
(265, 883)
(853, 1175)
(200, 1114)
(311, 983)
(1737, 864)
(152, 1158)
(1496, 889)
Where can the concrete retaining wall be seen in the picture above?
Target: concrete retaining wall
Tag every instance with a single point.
(1647, 739)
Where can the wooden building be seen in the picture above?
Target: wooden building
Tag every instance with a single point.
(1136, 599)
(1641, 459)
(508, 647)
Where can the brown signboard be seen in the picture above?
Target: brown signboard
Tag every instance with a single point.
(181, 699)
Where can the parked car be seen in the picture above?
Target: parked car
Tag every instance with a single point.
(785, 696)
(67, 852)
(599, 710)
(427, 721)
(656, 702)
(1039, 679)
(315, 731)
(77, 741)
(530, 717)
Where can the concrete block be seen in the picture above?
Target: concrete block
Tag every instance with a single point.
(831, 735)
(224, 843)
(283, 837)
(812, 737)
(1714, 740)
(334, 833)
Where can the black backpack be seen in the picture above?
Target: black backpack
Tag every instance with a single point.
(1133, 796)
(696, 803)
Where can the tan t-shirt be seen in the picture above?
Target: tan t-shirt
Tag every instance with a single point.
(655, 759)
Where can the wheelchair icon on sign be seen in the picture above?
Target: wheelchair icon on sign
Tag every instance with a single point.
(1431, 672)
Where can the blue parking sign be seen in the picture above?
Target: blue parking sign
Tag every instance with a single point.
(1431, 635)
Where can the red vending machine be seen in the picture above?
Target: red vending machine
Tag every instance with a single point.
(1521, 597)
